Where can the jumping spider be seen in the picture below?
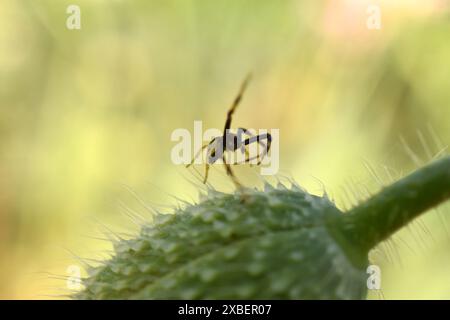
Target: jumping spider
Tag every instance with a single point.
(232, 142)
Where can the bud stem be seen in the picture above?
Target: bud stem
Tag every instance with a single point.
(396, 205)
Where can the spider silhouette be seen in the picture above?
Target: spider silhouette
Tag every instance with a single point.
(232, 142)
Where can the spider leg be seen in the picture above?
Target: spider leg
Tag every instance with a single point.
(247, 157)
(209, 161)
(258, 138)
(254, 138)
(230, 173)
(241, 131)
(198, 153)
(266, 148)
(246, 131)
(235, 104)
(243, 149)
(206, 173)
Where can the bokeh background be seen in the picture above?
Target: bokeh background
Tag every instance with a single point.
(86, 117)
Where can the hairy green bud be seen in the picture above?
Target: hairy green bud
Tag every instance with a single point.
(279, 243)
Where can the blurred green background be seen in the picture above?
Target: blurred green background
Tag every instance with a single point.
(87, 114)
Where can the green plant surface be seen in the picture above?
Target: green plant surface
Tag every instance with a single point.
(279, 243)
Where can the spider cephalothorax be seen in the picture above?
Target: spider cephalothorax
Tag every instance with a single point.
(229, 141)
